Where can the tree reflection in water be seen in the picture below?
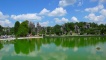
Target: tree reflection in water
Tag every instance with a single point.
(24, 46)
(27, 46)
(1, 45)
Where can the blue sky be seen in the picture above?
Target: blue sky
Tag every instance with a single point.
(51, 12)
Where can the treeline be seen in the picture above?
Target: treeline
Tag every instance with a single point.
(78, 28)
(6, 30)
(82, 28)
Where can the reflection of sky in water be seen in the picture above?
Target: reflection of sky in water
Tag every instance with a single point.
(96, 54)
(53, 52)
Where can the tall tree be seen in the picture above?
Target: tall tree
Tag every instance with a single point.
(57, 29)
(1, 30)
(23, 29)
(16, 27)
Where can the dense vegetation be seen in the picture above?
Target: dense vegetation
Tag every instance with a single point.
(16, 27)
(26, 27)
(94, 28)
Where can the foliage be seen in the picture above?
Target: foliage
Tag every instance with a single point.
(23, 29)
(29, 28)
(16, 27)
(57, 29)
(1, 30)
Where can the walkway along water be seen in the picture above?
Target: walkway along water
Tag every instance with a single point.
(22, 38)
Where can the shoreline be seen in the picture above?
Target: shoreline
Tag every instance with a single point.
(53, 36)
(74, 35)
(21, 38)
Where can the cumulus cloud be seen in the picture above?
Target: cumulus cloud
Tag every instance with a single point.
(3, 17)
(74, 19)
(103, 12)
(44, 23)
(58, 12)
(63, 3)
(63, 20)
(94, 9)
(102, 1)
(95, 18)
(6, 23)
(4, 20)
(32, 16)
(44, 12)
(99, 1)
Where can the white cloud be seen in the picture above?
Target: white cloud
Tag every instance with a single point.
(95, 18)
(58, 12)
(44, 12)
(32, 16)
(64, 3)
(6, 23)
(4, 20)
(44, 23)
(103, 12)
(3, 17)
(63, 20)
(99, 1)
(102, 1)
(74, 19)
(94, 9)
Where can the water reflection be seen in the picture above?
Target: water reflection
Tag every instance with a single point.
(1, 45)
(27, 46)
(52, 48)
(24, 46)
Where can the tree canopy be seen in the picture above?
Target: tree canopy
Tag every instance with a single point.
(23, 29)
(16, 27)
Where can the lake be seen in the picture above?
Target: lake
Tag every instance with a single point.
(55, 48)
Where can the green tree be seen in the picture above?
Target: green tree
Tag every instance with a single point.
(57, 29)
(1, 30)
(23, 29)
(16, 27)
(11, 30)
(49, 30)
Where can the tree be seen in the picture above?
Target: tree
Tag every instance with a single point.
(23, 29)
(57, 29)
(67, 28)
(31, 28)
(1, 30)
(16, 27)
(48, 30)
(11, 30)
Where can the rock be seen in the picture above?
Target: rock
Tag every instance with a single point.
(98, 48)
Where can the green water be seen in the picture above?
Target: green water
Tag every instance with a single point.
(60, 48)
